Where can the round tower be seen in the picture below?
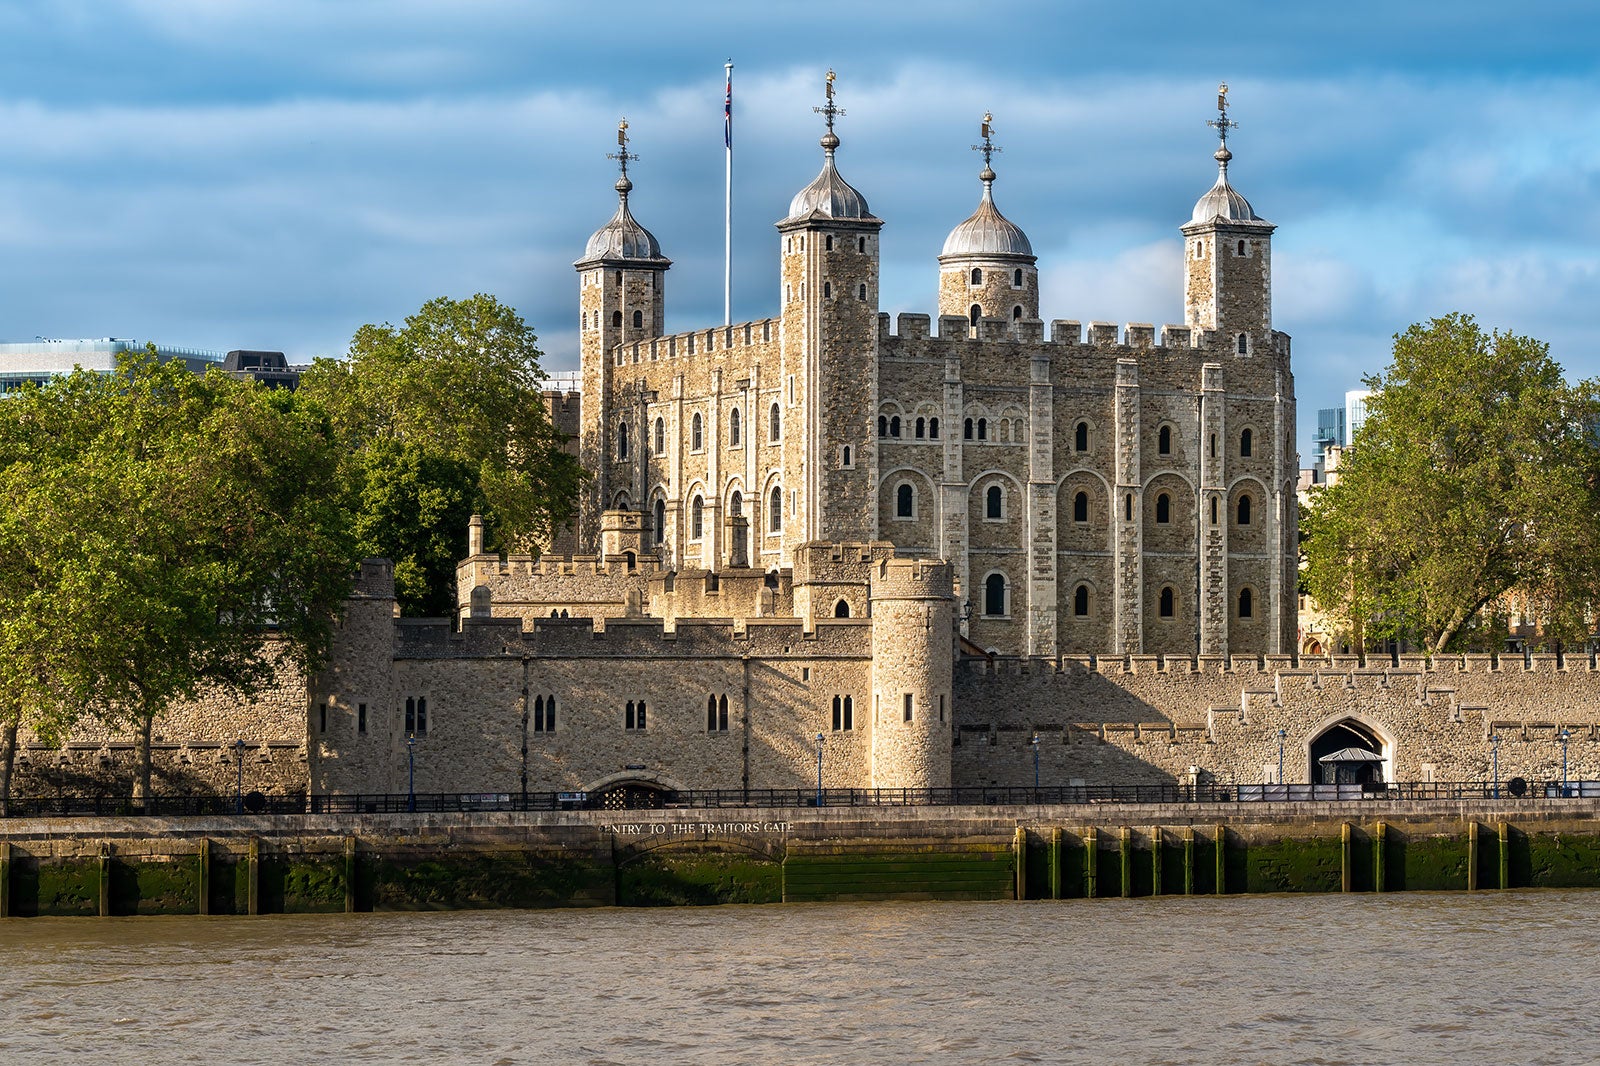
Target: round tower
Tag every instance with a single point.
(913, 659)
(621, 299)
(1228, 258)
(987, 268)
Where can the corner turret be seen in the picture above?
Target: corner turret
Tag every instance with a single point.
(987, 268)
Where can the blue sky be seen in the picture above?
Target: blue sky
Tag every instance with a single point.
(274, 173)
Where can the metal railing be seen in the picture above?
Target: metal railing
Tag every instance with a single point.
(636, 798)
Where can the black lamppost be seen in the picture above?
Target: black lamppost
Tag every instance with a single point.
(1033, 742)
(1494, 743)
(1282, 733)
(411, 771)
(1565, 735)
(819, 769)
(238, 786)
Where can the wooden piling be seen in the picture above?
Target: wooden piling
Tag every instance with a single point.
(204, 891)
(1019, 851)
(5, 879)
(105, 880)
(1125, 848)
(1505, 854)
(1155, 860)
(349, 875)
(1091, 862)
(1472, 856)
(1055, 863)
(253, 878)
(1222, 860)
(1380, 841)
(1346, 874)
(1188, 860)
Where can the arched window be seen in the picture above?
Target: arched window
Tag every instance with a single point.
(638, 319)
(841, 609)
(660, 517)
(933, 428)
(1244, 344)
(977, 276)
(827, 286)
(1080, 507)
(733, 428)
(983, 429)
(1016, 313)
(975, 313)
(616, 318)
(922, 427)
(1080, 601)
(774, 423)
(894, 425)
(696, 433)
(1016, 278)
(994, 595)
(827, 243)
(696, 518)
(622, 440)
(619, 277)
(861, 291)
(861, 244)
(661, 437)
(1241, 248)
(1244, 510)
(994, 505)
(711, 714)
(1167, 602)
(966, 429)
(1246, 444)
(1199, 249)
(1080, 437)
(1164, 441)
(1213, 510)
(1246, 602)
(883, 425)
(775, 511)
(1163, 509)
(905, 502)
(844, 454)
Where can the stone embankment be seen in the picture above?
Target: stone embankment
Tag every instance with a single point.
(301, 864)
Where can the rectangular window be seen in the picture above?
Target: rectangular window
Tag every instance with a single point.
(849, 713)
(805, 673)
(634, 717)
(322, 717)
(908, 706)
(941, 707)
(361, 718)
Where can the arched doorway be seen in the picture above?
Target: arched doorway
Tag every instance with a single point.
(1347, 753)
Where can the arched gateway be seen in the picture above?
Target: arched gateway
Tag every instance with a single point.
(1347, 752)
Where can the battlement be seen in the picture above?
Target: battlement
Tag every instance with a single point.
(895, 578)
(722, 341)
(1065, 333)
(830, 561)
(1383, 670)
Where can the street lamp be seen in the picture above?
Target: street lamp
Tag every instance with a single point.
(1565, 735)
(1282, 733)
(238, 786)
(819, 769)
(411, 771)
(1494, 741)
(1033, 742)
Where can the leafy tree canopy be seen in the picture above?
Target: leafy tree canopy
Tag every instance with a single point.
(1476, 474)
(153, 525)
(444, 417)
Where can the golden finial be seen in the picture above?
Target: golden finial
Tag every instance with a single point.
(828, 111)
(988, 147)
(622, 155)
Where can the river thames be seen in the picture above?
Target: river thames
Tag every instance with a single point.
(1416, 978)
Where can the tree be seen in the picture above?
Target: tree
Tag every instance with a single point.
(184, 532)
(1476, 474)
(444, 417)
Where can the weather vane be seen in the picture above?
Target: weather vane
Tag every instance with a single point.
(828, 110)
(622, 155)
(1221, 123)
(988, 147)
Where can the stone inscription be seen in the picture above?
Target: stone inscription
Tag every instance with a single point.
(645, 829)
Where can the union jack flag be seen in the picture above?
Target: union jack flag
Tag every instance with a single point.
(727, 113)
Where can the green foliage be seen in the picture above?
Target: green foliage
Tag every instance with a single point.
(153, 525)
(1475, 475)
(442, 418)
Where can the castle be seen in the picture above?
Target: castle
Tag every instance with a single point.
(818, 548)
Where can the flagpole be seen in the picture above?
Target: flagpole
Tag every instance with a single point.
(727, 206)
